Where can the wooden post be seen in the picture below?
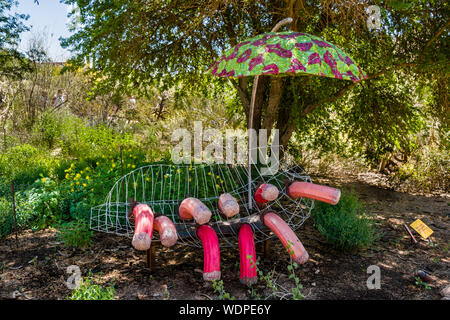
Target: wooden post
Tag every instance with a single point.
(121, 171)
(151, 261)
(13, 194)
(266, 249)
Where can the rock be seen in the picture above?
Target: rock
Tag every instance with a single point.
(446, 291)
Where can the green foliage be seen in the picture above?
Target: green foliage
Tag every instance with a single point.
(12, 62)
(296, 291)
(344, 225)
(44, 198)
(75, 234)
(426, 170)
(218, 287)
(420, 283)
(24, 164)
(270, 281)
(88, 290)
(24, 213)
(48, 129)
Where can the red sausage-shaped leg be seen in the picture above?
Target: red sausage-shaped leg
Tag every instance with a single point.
(167, 231)
(194, 208)
(287, 237)
(265, 193)
(313, 191)
(143, 227)
(211, 253)
(247, 255)
(228, 205)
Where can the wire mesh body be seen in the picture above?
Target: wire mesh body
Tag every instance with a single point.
(164, 186)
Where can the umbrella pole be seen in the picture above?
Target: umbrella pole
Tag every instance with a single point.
(250, 126)
(250, 120)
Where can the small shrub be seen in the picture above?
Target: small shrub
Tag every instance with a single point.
(48, 129)
(45, 200)
(218, 287)
(344, 225)
(75, 234)
(88, 290)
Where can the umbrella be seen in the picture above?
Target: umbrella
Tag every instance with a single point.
(284, 53)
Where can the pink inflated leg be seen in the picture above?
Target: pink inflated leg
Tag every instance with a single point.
(265, 193)
(228, 205)
(143, 227)
(247, 254)
(313, 191)
(192, 208)
(167, 231)
(287, 237)
(211, 253)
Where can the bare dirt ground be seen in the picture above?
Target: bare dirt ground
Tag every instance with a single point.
(34, 267)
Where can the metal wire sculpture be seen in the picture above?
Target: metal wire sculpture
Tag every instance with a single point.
(164, 186)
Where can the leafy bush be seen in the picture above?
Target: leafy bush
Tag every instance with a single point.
(344, 225)
(48, 129)
(24, 213)
(6, 217)
(91, 291)
(75, 234)
(44, 198)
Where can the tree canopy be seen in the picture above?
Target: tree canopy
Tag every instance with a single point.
(133, 45)
(12, 63)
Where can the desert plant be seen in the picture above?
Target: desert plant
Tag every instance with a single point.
(345, 225)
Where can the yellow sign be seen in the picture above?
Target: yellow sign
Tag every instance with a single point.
(421, 228)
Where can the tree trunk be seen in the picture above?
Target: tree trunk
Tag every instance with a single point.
(276, 91)
(259, 102)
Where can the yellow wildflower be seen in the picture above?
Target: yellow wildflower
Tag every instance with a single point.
(43, 180)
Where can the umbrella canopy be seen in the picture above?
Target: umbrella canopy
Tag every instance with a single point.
(288, 53)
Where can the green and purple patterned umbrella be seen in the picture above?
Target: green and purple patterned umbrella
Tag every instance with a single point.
(284, 53)
(279, 53)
